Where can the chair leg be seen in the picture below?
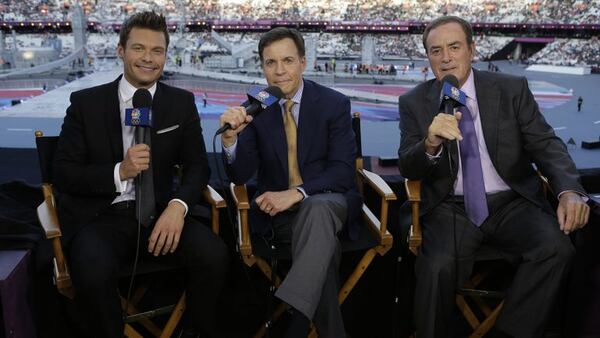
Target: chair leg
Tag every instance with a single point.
(130, 332)
(488, 323)
(174, 319)
(467, 312)
(130, 309)
(356, 274)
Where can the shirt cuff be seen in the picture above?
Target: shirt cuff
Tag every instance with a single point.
(583, 196)
(437, 156)
(230, 152)
(301, 190)
(182, 203)
(120, 186)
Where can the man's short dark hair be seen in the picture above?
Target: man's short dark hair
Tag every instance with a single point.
(149, 20)
(464, 24)
(280, 33)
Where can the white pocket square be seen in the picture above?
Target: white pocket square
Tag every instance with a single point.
(166, 130)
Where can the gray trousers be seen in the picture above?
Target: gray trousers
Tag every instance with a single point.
(311, 286)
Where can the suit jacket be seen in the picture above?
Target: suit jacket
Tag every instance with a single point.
(90, 145)
(516, 135)
(326, 151)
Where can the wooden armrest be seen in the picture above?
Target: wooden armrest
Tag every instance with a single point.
(378, 184)
(240, 196)
(48, 218)
(47, 214)
(413, 190)
(415, 237)
(213, 197)
(378, 229)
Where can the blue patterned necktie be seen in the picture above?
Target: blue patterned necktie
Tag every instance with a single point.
(473, 186)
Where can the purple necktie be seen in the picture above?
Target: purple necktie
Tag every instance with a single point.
(473, 186)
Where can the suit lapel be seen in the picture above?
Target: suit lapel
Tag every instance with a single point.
(112, 119)
(306, 121)
(160, 108)
(488, 100)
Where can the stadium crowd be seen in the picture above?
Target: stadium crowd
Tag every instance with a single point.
(506, 11)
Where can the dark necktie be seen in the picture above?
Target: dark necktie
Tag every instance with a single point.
(144, 193)
(472, 174)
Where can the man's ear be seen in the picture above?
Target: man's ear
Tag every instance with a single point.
(121, 51)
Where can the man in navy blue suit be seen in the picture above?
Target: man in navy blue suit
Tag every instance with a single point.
(303, 151)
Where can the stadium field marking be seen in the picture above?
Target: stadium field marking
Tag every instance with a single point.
(20, 129)
(560, 128)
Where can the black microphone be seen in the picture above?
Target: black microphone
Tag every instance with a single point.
(141, 115)
(258, 100)
(451, 94)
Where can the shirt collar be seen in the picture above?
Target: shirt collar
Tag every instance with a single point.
(126, 89)
(297, 97)
(469, 87)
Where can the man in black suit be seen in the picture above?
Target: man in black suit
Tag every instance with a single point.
(492, 189)
(95, 167)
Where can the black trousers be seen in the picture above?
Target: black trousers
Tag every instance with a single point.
(515, 226)
(107, 245)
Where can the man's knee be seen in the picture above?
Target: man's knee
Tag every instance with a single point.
(91, 269)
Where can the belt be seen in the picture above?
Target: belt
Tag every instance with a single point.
(123, 205)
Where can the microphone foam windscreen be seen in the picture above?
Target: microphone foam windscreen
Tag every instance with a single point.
(142, 99)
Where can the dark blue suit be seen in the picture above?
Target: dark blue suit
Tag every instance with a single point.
(326, 151)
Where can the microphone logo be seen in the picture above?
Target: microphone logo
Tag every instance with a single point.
(135, 117)
(262, 96)
(455, 93)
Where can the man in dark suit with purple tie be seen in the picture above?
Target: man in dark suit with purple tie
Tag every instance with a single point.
(493, 189)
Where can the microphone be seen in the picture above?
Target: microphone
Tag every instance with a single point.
(258, 100)
(140, 116)
(452, 96)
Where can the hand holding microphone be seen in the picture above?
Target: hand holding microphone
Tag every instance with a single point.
(137, 157)
(135, 161)
(444, 127)
(235, 119)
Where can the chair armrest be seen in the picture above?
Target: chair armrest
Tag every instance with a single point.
(377, 228)
(213, 197)
(216, 202)
(378, 184)
(240, 197)
(48, 218)
(385, 192)
(415, 237)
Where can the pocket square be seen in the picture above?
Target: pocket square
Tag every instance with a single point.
(166, 130)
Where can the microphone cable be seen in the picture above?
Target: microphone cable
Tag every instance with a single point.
(138, 211)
